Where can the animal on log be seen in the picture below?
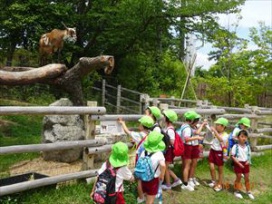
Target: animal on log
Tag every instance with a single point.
(53, 42)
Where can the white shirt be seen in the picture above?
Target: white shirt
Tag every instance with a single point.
(157, 128)
(156, 158)
(187, 133)
(137, 137)
(243, 152)
(216, 143)
(235, 132)
(194, 142)
(123, 173)
(171, 132)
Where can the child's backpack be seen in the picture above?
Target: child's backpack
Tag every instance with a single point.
(105, 186)
(231, 142)
(166, 138)
(180, 130)
(178, 147)
(143, 169)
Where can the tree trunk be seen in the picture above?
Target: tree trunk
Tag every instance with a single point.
(58, 75)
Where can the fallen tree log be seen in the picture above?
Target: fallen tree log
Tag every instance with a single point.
(67, 80)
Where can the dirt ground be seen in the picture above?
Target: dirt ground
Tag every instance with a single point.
(49, 168)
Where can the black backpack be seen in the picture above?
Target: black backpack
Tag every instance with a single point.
(166, 138)
(105, 186)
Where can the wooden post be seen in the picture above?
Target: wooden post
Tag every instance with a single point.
(118, 102)
(155, 102)
(254, 125)
(88, 160)
(172, 102)
(103, 92)
(199, 103)
(164, 106)
(144, 98)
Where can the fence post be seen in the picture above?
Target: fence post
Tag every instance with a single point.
(254, 126)
(144, 98)
(103, 92)
(155, 102)
(88, 160)
(118, 102)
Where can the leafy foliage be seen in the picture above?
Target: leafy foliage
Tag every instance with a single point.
(142, 34)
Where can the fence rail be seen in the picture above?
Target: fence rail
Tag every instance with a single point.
(92, 147)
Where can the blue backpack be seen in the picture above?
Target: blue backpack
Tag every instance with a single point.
(143, 169)
(180, 130)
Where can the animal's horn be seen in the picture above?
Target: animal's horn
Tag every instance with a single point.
(64, 24)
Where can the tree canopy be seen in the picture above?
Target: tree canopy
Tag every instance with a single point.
(147, 39)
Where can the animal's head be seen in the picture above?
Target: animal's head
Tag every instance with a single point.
(70, 35)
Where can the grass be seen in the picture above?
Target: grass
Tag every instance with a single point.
(24, 130)
(260, 177)
(27, 130)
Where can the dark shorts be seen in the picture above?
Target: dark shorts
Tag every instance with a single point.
(169, 155)
(216, 157)
(239, 170)
(151, 187)
(191, 152)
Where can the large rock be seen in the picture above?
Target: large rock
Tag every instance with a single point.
(57, 128)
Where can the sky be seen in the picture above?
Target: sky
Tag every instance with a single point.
(252, 12)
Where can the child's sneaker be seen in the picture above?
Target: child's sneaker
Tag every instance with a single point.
(140, 200)
(238, 195)
(166, 187)
(212, 184)
(188, 187)
(250, 195)
(196, 182)
(176, 183)
(191, 183)
(218, 188)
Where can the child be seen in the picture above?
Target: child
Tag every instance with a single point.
(155, 113)
(190, 152)
(242, 124)
(216, 152)
(240, 153)
(118, 159)
(170, 117)
(195, 143)
(154, 145)
(146, 123)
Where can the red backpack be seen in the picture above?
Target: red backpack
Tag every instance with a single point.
(178, 147)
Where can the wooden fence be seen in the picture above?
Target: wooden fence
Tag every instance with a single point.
(96, 146)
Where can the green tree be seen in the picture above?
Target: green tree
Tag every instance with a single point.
(241, 74)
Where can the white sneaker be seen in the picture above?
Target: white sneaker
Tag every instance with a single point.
(188, 187)
(218, 188)
(250, 196)
(212, 184)
(196, 182)
(176, 183)
(140, 200)
(191, 183)
(165, 187)
(238, 195)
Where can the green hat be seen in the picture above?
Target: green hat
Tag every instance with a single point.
(191, 115)
(155, 111)
(146, 121)
(171, 115)
(245, 121)
(222, 121)
(154, 142)
(119, 155)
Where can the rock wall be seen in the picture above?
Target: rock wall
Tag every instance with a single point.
(58, 128)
